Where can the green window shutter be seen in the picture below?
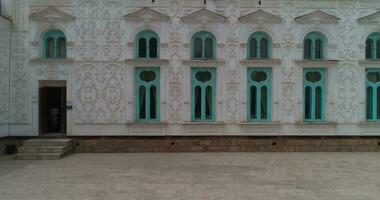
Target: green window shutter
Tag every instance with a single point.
(203, 94)
(259, 80)
(147, 45)
(203, 46)
(147, 94)
(53, 44)
(372, 93)
(314, 94)
(259, 46)
(315, 46)
(373, 46)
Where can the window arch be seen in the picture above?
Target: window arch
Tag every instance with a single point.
(372, 49)
(203, 46)
(259, 46)
(147, 45)
(54, 44)
(314, 46)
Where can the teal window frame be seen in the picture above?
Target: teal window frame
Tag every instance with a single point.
(147, 35)
(195, 83)
(258, 36)
(203, 35)
(56, 52)
(147, 86)
(313, 105)
(372, 52)
(257, 87)
(372, 95)
(314, 37)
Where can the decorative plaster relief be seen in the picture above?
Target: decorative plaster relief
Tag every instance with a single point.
(19, 78)
(88, 31)
(348, 90)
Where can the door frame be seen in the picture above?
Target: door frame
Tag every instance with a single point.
(53, 84)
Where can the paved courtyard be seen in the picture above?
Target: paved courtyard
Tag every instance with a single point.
(230, 176)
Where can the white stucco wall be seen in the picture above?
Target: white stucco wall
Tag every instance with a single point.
(101, 41)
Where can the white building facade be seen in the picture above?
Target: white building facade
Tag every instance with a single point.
(190, 68)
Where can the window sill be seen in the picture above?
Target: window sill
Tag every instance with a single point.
(204, 62)
(203, 123)
(147, 123)
(369, 124)
(261, 62)
(51, 60)
(370, 62)
(317, 123)
(147, 61)
(316, 63)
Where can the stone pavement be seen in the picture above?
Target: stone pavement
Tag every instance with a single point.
(219, 176)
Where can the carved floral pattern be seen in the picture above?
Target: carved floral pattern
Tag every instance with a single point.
(175, 69)
(87, 30)
(100, 93)
(232, 83)
(112, 14)
(4, 75)
(348, 91)
(19, 78)
(288, 68)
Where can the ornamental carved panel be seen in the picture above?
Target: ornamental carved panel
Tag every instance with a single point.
(100, 93)
(232, 83)
(4, 76)
(348, 90)
(287, 56)
(348, 30)
(19, 78)
(175, 67)
(112, 32)
(88, 29)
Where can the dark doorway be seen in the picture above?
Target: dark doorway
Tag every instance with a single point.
(52, 106)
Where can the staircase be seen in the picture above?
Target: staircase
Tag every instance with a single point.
(44, 149)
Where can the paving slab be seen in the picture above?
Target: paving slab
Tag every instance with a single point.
(230, 176)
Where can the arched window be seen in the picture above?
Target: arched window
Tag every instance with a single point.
(203, 81)
(259, 94)
(315, 45)
(147, 45)
(259, 46)
(203, 46)
(373, 94)
(372, 49)
(147, 93)
(53, 44)
(314, 88)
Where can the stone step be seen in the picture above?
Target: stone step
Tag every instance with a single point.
(47, 142)
(43, 149)
(40, 156)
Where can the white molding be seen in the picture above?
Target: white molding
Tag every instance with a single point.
(204, 16)
(261, 17)
(146, 14)
(317, 17)
(51, 14)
